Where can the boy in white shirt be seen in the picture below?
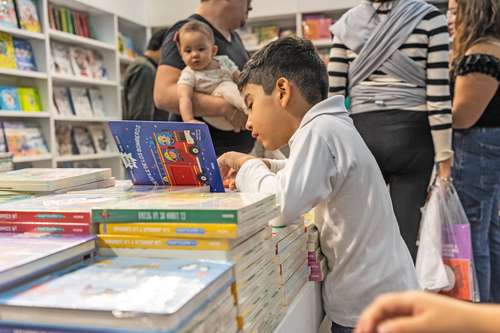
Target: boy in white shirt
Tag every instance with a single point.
(330, 168)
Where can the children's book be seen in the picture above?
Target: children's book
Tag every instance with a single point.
(28, 15)
(61, 62)
(51, 228)
(8, 17)
(25, 59)
(29, 99)
(64, 142)
(62, 101)
(97, 102)
(24, 138)
(25, 256)
(7, 54)
(80, 62)
(81, 102)
(167, 153)
(49, 180)
(167, 294)
(100, 138)
(7, 160)
(9, 99)
(96, 64)
(83, 140)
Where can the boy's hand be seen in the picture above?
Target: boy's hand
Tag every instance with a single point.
(229, 164)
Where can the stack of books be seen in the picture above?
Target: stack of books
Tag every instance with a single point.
(316, 262)
(6, 162)
(70, 21)
(22, 138)
(126, 295)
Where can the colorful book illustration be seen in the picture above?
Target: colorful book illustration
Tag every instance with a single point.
(80, 61)
(28, 15)
(167, 294)
(62, 101)
(29, 99)
(24, 256)
(64, 141)
(46, 228)
(25, 58)
(167, 153)
(7, 54)
(8, 18)
(24, 138)
(49, 180)
(188, 207)
(61, 61)
(9, 99)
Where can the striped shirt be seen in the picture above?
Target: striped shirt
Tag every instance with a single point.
(428, 46)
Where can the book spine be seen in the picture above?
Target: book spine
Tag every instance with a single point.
(50, 228)
(156, 215)
(52, 19)
(224, 231)
(49, 216)
(157, 243)
(58, 17)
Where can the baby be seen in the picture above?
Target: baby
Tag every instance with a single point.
(205, 73)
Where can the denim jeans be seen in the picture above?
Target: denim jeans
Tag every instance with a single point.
(477, 179)
(336, 328)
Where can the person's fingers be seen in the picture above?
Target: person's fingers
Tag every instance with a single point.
(224, 166)
(404, 325)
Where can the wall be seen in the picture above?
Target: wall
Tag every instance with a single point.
(133, 10)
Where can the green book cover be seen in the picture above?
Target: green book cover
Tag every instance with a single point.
(71, 22)
(64, 22)
(29, 99)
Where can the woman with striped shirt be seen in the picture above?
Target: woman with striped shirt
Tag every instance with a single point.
(390, 57)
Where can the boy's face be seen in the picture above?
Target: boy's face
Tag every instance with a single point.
(197, 51)
(268, 120)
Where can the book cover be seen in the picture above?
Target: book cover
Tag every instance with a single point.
(8, 18)
(83, 140)
(47, 228)
(36, 180)
(62, 101)
(9, 99)
(110, 284)
(64, 142)
(97, 102)
(25, 58)
(100, 138)
(81, 102)
(29, 99)
(96, 64)
(8, 164)
(186, 207)
(24, 138)
(61, 62)
(80, 62)
(28, 15)
(167, 153)
(183, 230)
(7, 54)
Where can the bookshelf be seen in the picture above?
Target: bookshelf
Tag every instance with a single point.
(105, 28)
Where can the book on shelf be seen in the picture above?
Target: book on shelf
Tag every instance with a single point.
(316, 27)
(28, 15)
(97, 101)
(24, 138)
(100, 138)
(64, 140)
(9, 99)
(25, 59)
(27, 256)
(69, 20)
(126, 46)
(62, 101)
(7, 53)
(49, 180)
(96, 62)
(83, 140)
(167, 153)
(80, 61)
(61, 60)
(193, 287)
(8, 18)
(81, 102)
(29, 99)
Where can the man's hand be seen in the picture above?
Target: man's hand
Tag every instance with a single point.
(229, 164)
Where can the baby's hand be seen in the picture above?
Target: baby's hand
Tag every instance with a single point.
(194, 121)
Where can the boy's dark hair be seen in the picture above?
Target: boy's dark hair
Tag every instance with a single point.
(157, 39)
(292, 58)
(195, 26)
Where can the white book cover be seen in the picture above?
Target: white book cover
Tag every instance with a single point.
(97, 102)
(62, 101)
(61, 63)
(100, 138)
(80, 62)
(81, 102)
(83, 140)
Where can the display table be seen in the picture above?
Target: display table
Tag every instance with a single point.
(305, 314)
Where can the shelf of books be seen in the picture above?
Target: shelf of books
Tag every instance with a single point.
(59, 78)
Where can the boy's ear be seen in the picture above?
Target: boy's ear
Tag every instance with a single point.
(215, 49)
(284, 91)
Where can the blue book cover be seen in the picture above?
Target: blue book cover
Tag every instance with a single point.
(167, 153)
(9, 99)
(126, 285)
(24, 55)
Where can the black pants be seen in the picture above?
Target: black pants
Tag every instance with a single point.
(402, 144)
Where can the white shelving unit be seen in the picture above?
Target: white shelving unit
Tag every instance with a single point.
(105, 27)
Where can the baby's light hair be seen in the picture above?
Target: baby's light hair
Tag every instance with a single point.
(195, 26)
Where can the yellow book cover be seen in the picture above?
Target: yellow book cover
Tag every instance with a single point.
(161, 243)
(183, 230)
(29, 99)
(7, 54)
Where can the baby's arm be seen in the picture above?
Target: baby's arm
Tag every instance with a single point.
(185, 94)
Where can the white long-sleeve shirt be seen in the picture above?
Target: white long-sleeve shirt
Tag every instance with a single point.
(331, 168)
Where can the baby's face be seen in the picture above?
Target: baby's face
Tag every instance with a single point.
(197, 51)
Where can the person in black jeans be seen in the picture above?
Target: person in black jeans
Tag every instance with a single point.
(138, 85)
(223, 17)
